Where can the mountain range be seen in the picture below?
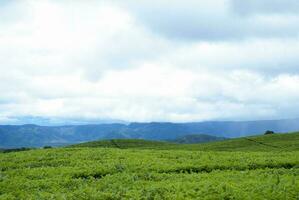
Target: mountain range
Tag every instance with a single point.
(31, 135)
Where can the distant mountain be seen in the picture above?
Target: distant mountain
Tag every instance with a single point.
(35, 136)
(194, 139)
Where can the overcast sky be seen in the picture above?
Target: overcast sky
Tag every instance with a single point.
(163, 60)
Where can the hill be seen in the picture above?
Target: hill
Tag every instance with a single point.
(275, 142)
(125, 144)
(12, 136)
(144, 144)
(194, 139)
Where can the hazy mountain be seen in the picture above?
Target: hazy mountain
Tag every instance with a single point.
(33, 135)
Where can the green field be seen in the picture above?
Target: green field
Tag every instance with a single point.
(264, 167)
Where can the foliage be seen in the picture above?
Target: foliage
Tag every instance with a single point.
(197, 138)
(136, 173)
(269, 132)
(109, 173)
(125, 144)
(15, 150)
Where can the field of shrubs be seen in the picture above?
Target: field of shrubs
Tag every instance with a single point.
(111, 173)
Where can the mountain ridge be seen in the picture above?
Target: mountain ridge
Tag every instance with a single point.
(31, 135)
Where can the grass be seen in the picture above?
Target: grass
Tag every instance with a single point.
(138, 169)
(275, 142)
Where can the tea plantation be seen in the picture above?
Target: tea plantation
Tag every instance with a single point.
(264, 167)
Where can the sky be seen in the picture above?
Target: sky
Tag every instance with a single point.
(151, 60)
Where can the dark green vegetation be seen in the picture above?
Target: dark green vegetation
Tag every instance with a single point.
(127, 171)
(200, 138)
(39, 136)
(126, 144)
(268, 132)
(14, 150)
(148, 144)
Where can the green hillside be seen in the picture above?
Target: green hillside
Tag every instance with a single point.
(197, 138)
(275, 142)
(125, 144)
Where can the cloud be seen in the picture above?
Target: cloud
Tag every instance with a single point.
(152, 61)
(267, 56)
(154, 93)
(58, 38)
(265, 7)
(218, 20)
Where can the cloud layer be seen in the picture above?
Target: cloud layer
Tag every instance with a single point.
(155, 61)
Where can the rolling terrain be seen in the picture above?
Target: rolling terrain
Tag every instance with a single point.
(140, 143)
(139, 169)
(259, 167)
(274, 142)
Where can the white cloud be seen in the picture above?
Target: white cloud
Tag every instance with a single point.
(217, 20)
(266, 6)
(100, 60)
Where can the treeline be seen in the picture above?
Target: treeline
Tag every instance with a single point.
(20, 149)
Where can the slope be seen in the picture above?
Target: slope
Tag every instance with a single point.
(275, 142)
(126, 144)
(200, 138)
